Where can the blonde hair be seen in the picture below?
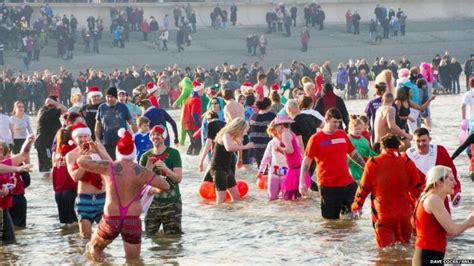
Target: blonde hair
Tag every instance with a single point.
(76, 98)
(355, 121)
(385, 76)
(305, 79)
(234, 127)
(435, 174)
(15, 107)
(271, 129)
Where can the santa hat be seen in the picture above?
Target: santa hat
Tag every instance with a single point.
(275, 87)
(93, 91)
(151, 87)
(197, 85)
(125, 146)
(160, 130)
(246, 86)
(80, 129)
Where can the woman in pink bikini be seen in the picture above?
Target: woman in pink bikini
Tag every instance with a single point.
(124, 183)
(290, 148)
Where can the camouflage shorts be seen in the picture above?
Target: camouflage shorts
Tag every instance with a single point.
(166, 214)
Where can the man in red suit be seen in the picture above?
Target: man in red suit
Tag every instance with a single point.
(426, 155)
(192, 111)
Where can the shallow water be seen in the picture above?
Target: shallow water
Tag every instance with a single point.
(253, 231)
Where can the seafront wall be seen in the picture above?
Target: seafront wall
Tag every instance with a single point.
(252, 13)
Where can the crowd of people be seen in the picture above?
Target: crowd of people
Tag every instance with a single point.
(19, 33)
(291, 122)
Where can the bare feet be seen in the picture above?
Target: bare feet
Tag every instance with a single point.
(96, 254)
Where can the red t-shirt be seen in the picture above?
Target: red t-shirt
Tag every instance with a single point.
(330, 153)
(259, 90)
(6, 178)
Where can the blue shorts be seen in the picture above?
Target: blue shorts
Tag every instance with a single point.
(90, 206)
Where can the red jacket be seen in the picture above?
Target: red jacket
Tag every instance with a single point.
(192, 113)
(145, 27)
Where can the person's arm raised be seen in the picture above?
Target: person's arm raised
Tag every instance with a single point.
(392, 125)
(88, 164)
(433, 204)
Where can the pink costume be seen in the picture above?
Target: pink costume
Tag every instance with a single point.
(294, 160)
(276, 171)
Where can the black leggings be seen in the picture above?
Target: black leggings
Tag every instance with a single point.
(7, 231)
(424, 257)
(18, 210)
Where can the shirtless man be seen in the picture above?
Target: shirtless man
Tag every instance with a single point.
(90, 191)
(232, 109)
(124, 183)
(384, 123)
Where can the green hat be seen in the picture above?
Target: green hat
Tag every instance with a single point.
(215, 87)
(285, 86)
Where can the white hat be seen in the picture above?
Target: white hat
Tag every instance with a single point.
(93, 91)
(80, 129)
(197, 85)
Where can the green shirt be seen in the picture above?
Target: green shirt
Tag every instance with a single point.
(363, 148)
(172, 160)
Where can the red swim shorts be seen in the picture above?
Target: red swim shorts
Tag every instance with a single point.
(130, 228)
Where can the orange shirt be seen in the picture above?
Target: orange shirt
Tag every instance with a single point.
(330, 152)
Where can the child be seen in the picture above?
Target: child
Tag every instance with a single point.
(277, 169)
(361, 145)
(142, 137)
(363, 83)
(290, 148)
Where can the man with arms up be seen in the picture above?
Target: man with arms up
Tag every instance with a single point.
(384, 123)
(124, 183)
(90, 190)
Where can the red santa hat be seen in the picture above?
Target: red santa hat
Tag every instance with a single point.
(93, 91)
(151, 87)
(275, 87)
(160, 130)
(197, 85)
(125, 146)
(246, 86)
(80, 129)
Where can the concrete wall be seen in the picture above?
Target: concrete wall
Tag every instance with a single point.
(250, 14)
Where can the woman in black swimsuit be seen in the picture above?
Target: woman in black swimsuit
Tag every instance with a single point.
(404, 103)
(228, 141)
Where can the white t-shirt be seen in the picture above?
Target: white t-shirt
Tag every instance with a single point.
(5, 133)
(468, 100)
(21, 127)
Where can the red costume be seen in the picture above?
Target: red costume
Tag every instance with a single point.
(192, 112)
(392, 194)
(437, 155)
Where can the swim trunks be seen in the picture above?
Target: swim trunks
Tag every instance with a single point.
(130, 228)
(90, 206)
(166, 214)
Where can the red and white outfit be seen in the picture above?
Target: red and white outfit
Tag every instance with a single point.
(437, 155)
